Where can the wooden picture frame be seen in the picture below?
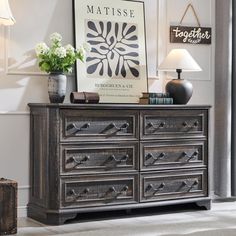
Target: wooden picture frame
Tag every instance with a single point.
(116, 66)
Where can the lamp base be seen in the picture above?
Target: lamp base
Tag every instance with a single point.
(180, 90)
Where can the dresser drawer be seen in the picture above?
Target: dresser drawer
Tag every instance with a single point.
(161, 124)
(173, 185)
(167, 155)
(100, 190)
(97, 125)
(99, 158)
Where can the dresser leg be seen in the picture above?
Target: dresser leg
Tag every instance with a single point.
(49, 218)
(52, 219)
(204, 204)
(55, 219)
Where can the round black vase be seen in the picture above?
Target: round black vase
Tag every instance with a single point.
(180, 90)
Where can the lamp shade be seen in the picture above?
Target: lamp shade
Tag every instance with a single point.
(179, 59)
(6, 17)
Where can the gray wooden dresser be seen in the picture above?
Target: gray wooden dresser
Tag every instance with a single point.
(87, 158)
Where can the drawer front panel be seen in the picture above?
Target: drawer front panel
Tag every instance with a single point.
(173, 155)
(98, 125)
(173, 185)
(172, 123)
(100, 190)
(100, 158)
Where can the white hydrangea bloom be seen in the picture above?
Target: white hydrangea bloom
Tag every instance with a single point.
(87, 47)
(55, 37)
(41, 48)
(81, 51)
(70, 70)
(70, 49)
(60, 52)
(57, 57)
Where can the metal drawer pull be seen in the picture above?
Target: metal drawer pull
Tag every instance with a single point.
(184, 183)
(78, 162)
(161, 125)
(149, 155)
(150, 187)
(162, 155)
(195, 154)
(122, 127)
(195, 124)
(77, 195)
(117, 193)
(123, 159)
(76, 129)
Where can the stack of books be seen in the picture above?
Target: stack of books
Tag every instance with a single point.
(155, 98)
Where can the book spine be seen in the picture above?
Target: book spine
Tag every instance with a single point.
(154, 101)
(159, 95)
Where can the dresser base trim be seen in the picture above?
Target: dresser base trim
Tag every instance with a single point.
(58, 217)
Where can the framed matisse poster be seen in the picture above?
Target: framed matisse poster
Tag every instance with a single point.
(116, 66)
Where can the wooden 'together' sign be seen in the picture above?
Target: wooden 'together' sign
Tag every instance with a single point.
(192, 35)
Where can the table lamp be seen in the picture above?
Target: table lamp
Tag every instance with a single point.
(6, 17)
(179, 60)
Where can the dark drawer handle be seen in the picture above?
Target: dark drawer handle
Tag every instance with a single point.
(122, 127)
(76, 129)
(185, 184)
(195, 154)
(112, 190)
(78, 162)
(123, 159)
(161, 156)
(161, 125)
(185, 124)
(77, 195)
(150, 187)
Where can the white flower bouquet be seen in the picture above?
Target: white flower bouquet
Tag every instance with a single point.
(58, 58)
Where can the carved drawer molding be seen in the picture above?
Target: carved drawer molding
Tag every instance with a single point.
(98, 125)
(173, 154)
(173, 185)
(84, 159)
(172, 123)
(100, 190)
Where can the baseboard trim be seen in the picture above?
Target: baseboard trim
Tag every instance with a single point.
(23, 192)
(225, 199)
(16, 113)
(22, 211)
(24, 187)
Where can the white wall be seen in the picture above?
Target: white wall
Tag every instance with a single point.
(203, 82)
(21, 82)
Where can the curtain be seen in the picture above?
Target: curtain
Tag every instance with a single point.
(233, 135)
(224, 164)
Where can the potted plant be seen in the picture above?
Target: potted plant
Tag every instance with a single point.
(58, 60)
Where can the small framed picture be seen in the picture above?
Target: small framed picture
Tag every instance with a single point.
(116, 66)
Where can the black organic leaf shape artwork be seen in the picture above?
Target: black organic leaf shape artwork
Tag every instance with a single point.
(115, 49)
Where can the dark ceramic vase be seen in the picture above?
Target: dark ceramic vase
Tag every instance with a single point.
(56, 87)
(180, 90)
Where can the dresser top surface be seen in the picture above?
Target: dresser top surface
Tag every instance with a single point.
(115, 106)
